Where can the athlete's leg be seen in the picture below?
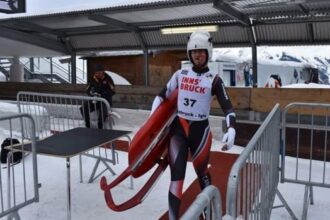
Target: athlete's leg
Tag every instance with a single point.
(200, 140)
(178, 154)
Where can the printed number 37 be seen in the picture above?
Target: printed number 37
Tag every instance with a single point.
(189, 102)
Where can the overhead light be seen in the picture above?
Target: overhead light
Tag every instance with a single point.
(181, 30)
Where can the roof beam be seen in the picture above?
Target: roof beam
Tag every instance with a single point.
(42, 30)
(297, 21)
(67, 43)
(303, 9)
(155, 25)
(120, 24)
(223, 6)
(34, 27)
(307, 1)
(92, 30)
(113, 22)
(252, 35)
(32, 39)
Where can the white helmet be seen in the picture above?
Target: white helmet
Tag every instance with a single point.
(200, 40)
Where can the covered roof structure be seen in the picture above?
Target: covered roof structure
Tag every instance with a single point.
(137, 26)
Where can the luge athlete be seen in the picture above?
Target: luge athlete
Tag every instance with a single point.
(190, 130)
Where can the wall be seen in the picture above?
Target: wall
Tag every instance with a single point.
(243, 99)
(161, 66)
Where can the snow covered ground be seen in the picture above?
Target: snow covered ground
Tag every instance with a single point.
(88, 202)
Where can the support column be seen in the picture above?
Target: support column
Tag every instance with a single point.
(146, 67)
(51, 69)
(73, 69)
(254, 65)
(16, 72)
(31, 64)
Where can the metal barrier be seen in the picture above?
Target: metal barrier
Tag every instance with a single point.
(309, 124)
(56, 112)
(209, 202)
(19, 182)
(254, 177)
(253, 180)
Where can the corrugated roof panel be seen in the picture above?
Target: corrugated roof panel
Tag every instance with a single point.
(321, 31)
(66, 22)
(225, 35)
(276, 22)
(281, 33)
(215, 20)
(317, 6)
(274, 8)
(155, 39)
(230, 34)
(160, 14)
(104, 41)
(263, 5)
(85, 9)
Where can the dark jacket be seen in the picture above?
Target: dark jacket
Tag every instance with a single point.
(103, 88)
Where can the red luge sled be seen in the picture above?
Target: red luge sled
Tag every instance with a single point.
(148, 148)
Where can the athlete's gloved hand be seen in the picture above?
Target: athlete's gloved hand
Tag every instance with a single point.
(96, 94)
(157, 101)
(228, 139)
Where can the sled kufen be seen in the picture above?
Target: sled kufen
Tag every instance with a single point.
(147, 149)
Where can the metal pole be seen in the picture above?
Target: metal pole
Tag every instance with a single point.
(254, 65)
(146, 68)
(73, 69)
(68, 188)
(31, 65)
(51, 68)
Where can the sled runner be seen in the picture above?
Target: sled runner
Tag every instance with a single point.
(148, 148)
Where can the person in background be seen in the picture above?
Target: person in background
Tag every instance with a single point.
(295, 78)
(246, 72)
(314, 76)
(251, 76)
(274, 81)
(190, 130)
(101, 85)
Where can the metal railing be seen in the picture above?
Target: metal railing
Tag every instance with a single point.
(56, 113)
(62, 72)
(209, 202)
(19, 182)
(253, 180)
(309, 124)
(254, 177)
(45, 69)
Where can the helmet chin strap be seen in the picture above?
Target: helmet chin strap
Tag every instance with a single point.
(199, 67)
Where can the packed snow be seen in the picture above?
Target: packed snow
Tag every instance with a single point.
(88, 201)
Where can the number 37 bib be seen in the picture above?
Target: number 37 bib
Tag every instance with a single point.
(194, 100)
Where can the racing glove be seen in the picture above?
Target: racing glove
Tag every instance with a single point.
(96, 94)
(157, 101)
(229, 137)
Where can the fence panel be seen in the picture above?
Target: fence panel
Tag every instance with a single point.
(57, 112)
(305, 137)
(209, 202)
(18, 182)
(253, 180)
